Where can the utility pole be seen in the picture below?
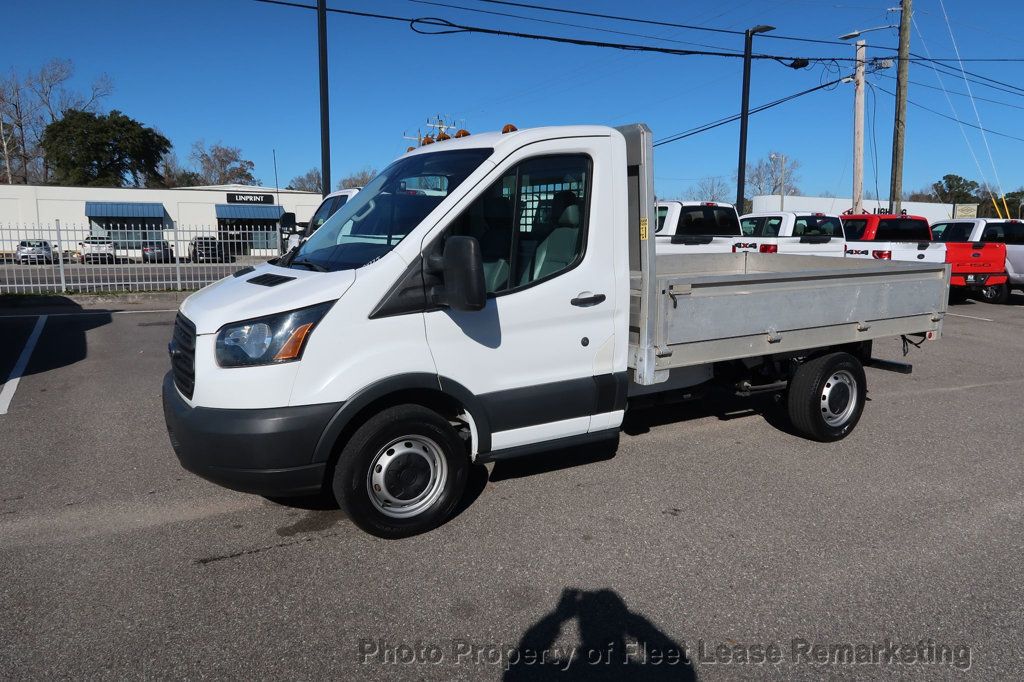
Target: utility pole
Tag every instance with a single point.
(741, 169)
(325, 114)
(900, 123)
(858, 129)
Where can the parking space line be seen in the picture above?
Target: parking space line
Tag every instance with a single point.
(95, 312)
(11, 385)
(970, 317)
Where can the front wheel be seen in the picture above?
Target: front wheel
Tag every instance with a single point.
(402, 472)
(826, 397)
(997, 293)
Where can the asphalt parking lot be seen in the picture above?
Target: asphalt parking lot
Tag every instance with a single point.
(708, 530)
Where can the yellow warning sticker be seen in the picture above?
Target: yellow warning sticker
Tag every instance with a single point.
(643, 229)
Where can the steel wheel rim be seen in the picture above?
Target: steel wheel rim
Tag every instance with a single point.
(406, 476)
(839, 398)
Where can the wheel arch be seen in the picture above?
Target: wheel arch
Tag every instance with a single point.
(437, 393)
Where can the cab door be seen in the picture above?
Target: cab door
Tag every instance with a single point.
(540, 357)
(1014, 237)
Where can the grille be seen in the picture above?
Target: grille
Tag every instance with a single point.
(269, 280)
(183, 355)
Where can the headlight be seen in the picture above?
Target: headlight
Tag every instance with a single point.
(268, 340)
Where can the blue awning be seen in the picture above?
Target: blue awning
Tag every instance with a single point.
(123, 209)
(249, 211)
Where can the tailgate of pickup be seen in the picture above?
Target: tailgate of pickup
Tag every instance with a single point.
(719, 307)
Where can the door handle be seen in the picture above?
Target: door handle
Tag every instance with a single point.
(587, 299)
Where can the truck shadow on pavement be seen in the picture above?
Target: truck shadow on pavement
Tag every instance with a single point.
(723, 405)
(614, 644)
(62, 339)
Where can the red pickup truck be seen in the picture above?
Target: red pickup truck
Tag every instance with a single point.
(977, 266)
(891, 237)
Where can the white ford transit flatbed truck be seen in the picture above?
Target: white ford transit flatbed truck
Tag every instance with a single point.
(514, 305)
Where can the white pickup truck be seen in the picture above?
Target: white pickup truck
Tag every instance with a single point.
(696, 227)
(982, 231)
(789, 232)
(517, 311)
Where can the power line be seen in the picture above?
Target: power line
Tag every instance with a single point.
(955, 92)
(939, 113)
(565, 23)
(735, 117)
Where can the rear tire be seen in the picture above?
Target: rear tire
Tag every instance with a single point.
(826, 397)
(401, 473)
(999, 294)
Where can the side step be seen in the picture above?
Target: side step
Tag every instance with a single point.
(890, 365)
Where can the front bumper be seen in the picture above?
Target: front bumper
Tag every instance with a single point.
(265, 451)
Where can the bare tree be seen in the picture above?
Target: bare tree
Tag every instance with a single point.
(222, 165)
(28, 104)
(766, 176)
(177, 175)
(709, 188)
(358, 179)
(310, 181)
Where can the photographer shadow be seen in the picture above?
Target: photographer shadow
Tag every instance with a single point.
(615, 644)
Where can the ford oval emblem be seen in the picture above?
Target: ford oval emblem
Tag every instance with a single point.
(920, 256)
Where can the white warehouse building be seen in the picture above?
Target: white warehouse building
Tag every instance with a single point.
(245, 216)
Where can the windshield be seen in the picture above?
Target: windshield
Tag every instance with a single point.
(703, 221)
(376, 219)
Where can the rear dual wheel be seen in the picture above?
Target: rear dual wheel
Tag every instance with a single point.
(998, 293)
(401, 473)
(826, 397)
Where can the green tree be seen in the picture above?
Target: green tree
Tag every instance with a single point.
(953, 189)
(103, 150)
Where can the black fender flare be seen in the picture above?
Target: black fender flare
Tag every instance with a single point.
(392, 385)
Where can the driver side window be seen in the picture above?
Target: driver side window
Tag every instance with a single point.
(531, 223)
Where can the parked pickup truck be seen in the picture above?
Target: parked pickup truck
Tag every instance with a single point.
(891, 237)
(516, 311)
(788, 232)
(987, 255)
(696, 227)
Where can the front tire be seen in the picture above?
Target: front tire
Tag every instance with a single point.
(999, 293)
(401, 473)
(826, 397)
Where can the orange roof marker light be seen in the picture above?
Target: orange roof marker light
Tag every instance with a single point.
(427, 139)
(409, 149)
(509, 128)
(460, 133)
(442, 136)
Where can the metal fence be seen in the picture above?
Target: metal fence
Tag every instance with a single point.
(38, 259)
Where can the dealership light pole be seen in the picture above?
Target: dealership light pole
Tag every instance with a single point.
(741, 170)
(325, 114)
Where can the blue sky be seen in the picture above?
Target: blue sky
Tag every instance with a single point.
(244, 73)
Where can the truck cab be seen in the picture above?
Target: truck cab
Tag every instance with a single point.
(696, 227)
(987, 255)
(886, 236)
(796, 233)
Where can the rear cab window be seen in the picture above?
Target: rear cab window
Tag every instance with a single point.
(708, 221)
(953, 232)
(903, 230)
(815, 226)
(855, 228)
(761, 226)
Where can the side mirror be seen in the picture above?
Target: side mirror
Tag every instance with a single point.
(287, 221)
(463, 269)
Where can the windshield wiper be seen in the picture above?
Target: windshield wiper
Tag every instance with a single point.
(308, 263)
